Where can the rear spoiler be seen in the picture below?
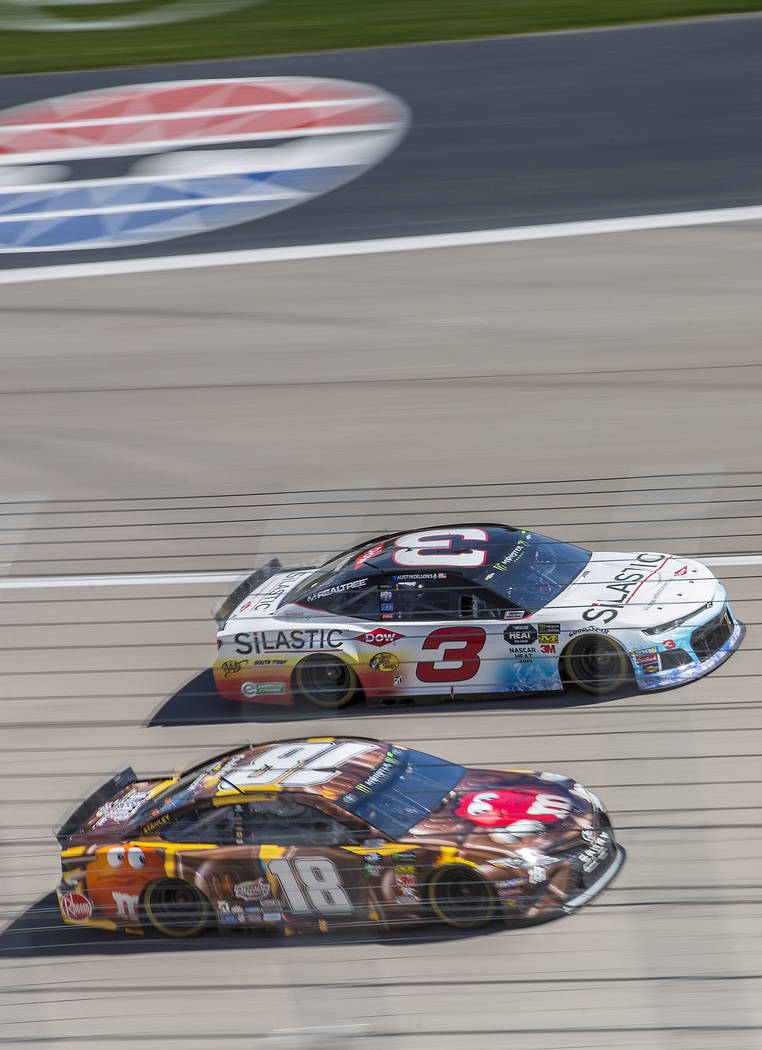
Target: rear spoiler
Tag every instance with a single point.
(106, 791)
(223, 609)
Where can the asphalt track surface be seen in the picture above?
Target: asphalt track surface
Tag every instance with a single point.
(511, 131)
(602, 389)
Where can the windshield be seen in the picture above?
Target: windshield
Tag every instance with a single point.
(196, 782)
(533, 571)
(402, 791)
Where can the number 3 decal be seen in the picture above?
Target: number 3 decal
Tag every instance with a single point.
(430, 547)
(464, 660)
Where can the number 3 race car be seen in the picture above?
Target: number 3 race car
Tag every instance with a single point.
(468, 610)
(332, 831)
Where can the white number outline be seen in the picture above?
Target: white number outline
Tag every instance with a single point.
(300, 764)
(415, 544)
(319, 878)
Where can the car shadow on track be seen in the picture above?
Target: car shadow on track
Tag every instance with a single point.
(197, 702)
(40, 931)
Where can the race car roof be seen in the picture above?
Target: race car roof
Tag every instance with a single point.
(433, 547)
(329, 766)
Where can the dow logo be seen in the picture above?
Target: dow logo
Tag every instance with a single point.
(43, 16)
(150, 162)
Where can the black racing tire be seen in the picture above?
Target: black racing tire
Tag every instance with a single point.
(175, 908)
(595, 664)
(325, 681)
(460, 897)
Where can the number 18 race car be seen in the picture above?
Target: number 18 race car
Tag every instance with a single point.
(332, 832)
(469, 610)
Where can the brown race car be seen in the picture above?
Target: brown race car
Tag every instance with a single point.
(332, 831)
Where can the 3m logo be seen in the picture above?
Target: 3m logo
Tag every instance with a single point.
(149, 162)
(76, 907)
(682, 572)
(379, 637)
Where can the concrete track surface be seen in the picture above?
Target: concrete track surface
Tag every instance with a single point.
(605, 390)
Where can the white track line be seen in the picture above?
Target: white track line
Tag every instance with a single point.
(168, 579)
(584, 228)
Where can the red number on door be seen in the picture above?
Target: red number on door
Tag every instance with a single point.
(460, 648)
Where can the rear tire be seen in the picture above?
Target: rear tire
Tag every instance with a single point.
(595, 664)
(325, 681)
(460, 897)
(175, 908)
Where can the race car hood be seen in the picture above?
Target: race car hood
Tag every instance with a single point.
(516, 805)
(635, 590)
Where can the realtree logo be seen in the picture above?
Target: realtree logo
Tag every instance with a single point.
(41, 17)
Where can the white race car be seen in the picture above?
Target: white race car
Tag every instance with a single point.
(460, 610)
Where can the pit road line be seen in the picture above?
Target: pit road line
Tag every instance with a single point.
(154, 579)
(584, 228)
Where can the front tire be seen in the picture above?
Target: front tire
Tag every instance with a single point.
(460, 897)
(595, 664)
(175, 908)
(325, 681)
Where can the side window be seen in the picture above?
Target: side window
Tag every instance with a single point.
(286, 823)
(353, 597)
(216, 825)
(474, 603)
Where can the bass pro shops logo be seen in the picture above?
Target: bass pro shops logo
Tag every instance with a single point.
(131, 165)
(40, 16)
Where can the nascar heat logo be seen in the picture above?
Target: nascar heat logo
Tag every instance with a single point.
(150, 162)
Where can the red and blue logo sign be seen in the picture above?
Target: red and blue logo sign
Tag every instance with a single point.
(151, 162)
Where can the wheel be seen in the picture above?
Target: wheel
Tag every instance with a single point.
(460, 897)
(176, 908)
(595, 663)
(325, 681)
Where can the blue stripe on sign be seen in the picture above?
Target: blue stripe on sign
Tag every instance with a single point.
(112, 230)
(120, 193)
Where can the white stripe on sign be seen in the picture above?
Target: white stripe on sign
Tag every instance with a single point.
(584, 228)
(192, 114)
(167, 579)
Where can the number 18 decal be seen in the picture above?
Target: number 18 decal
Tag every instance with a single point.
(460, 654)
(317, 887)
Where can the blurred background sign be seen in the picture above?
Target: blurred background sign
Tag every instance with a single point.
(151, 162)
(53, 16)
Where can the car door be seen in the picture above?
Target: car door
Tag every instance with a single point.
(315, 878)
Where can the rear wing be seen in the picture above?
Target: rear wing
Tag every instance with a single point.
(223, 609)
(106, 791)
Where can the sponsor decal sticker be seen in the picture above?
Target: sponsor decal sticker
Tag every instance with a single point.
(368, 555)
(398, 679)
(502, 807)
(76, 907)
(229, 667)
(379, 637)
(623, 586)
(384, 662)
(286, 641)
(262, 688)
(252, 889)
(523, 634)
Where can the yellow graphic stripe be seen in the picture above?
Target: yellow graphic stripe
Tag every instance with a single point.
(450, 855)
